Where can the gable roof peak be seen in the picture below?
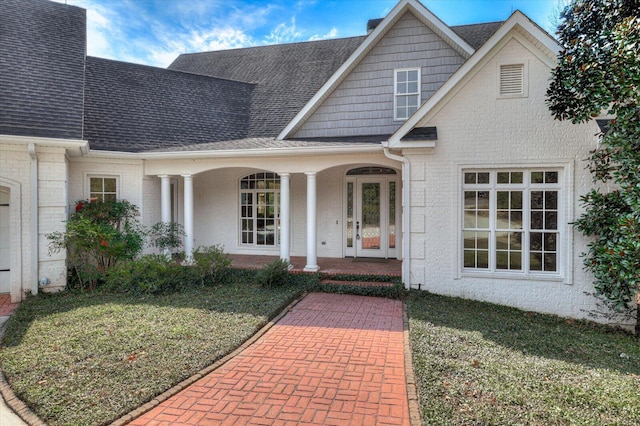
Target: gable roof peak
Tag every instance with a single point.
(404, 6)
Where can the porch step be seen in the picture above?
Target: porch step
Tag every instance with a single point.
(357, 283)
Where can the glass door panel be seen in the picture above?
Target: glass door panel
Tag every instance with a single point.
(370, 232)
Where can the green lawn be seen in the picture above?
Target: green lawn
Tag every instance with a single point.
(482, 364)
(86, 359)
(89, 358)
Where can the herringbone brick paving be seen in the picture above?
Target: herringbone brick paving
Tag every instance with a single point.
(332, 360)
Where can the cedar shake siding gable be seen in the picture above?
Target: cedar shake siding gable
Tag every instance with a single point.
(364, 102)
(133, 108)
(42, 59)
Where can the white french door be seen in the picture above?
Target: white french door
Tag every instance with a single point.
(371, 216)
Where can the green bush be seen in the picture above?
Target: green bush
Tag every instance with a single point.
(274, 274)
(212, 265)
(99, 235)
(156, 273)
(151, 274)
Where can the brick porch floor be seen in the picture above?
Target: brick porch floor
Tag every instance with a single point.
(6, 307)
(387, 267)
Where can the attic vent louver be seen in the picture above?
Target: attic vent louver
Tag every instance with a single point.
(512, 80)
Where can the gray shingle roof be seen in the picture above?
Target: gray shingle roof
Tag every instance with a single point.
(287, 75)
(134, 108)
(42, 52)
(477, 34)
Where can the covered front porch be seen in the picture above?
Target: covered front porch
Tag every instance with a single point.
(318, 208)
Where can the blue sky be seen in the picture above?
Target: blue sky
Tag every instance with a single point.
(154, 32)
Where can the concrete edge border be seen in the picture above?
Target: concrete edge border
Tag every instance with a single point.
(13, 402)
(415, 417)
(132, 415)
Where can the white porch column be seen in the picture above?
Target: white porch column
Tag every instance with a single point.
(188, 218)
(165, 198)
(165, 203)
(312, 257)
(285, 219)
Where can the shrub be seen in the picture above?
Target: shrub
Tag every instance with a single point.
(212, 265)
(151, 274)
(99, 235)
(166, 236)
(274, 274)
(156, 273)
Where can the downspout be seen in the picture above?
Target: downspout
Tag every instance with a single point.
(406, 213)
(34, 219)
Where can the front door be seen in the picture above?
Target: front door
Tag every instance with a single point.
(371, 216)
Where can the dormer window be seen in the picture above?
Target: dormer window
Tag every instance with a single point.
(407, 93)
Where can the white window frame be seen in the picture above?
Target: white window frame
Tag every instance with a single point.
(95, 176)
(527, 187)
(254, 217)
(525, 80)
(397, 95)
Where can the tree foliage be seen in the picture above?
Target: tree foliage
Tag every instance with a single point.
(598, 73)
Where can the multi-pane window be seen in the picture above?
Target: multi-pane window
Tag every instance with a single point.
(259, 209)
(407, 93)
(103, 188)
(511, 220)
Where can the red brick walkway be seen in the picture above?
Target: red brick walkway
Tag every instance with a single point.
(6, 307)
(332, 360)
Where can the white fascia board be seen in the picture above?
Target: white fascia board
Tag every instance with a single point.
(369, 43)
(515, 20)
(231, 153)
(71, 144)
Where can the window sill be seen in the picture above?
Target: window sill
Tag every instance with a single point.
(511, 276)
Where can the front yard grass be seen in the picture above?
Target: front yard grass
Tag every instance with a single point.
(89, 358)
(482, 364)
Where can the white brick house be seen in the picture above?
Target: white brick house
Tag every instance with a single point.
(421, 142)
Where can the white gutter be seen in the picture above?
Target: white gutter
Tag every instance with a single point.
(406, 213)
(34, 232)
(264, 152)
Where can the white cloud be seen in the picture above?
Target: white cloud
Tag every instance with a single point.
(333, 33)
(284, 33)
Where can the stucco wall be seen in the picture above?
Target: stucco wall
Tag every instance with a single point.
(476, 129)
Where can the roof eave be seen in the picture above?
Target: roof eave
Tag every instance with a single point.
(231, 153)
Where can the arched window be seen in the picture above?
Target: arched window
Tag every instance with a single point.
(260, 209)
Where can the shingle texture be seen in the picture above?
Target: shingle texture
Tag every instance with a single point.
(286, 75)
(477, 34)
(238, 98)
(135, 107)
(42, 53)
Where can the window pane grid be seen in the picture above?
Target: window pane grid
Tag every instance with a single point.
(511, 221)
(259, 209)
(407, 93)
(103, 189)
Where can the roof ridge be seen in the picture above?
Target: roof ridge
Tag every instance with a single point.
(262, 46)
(209, 77)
